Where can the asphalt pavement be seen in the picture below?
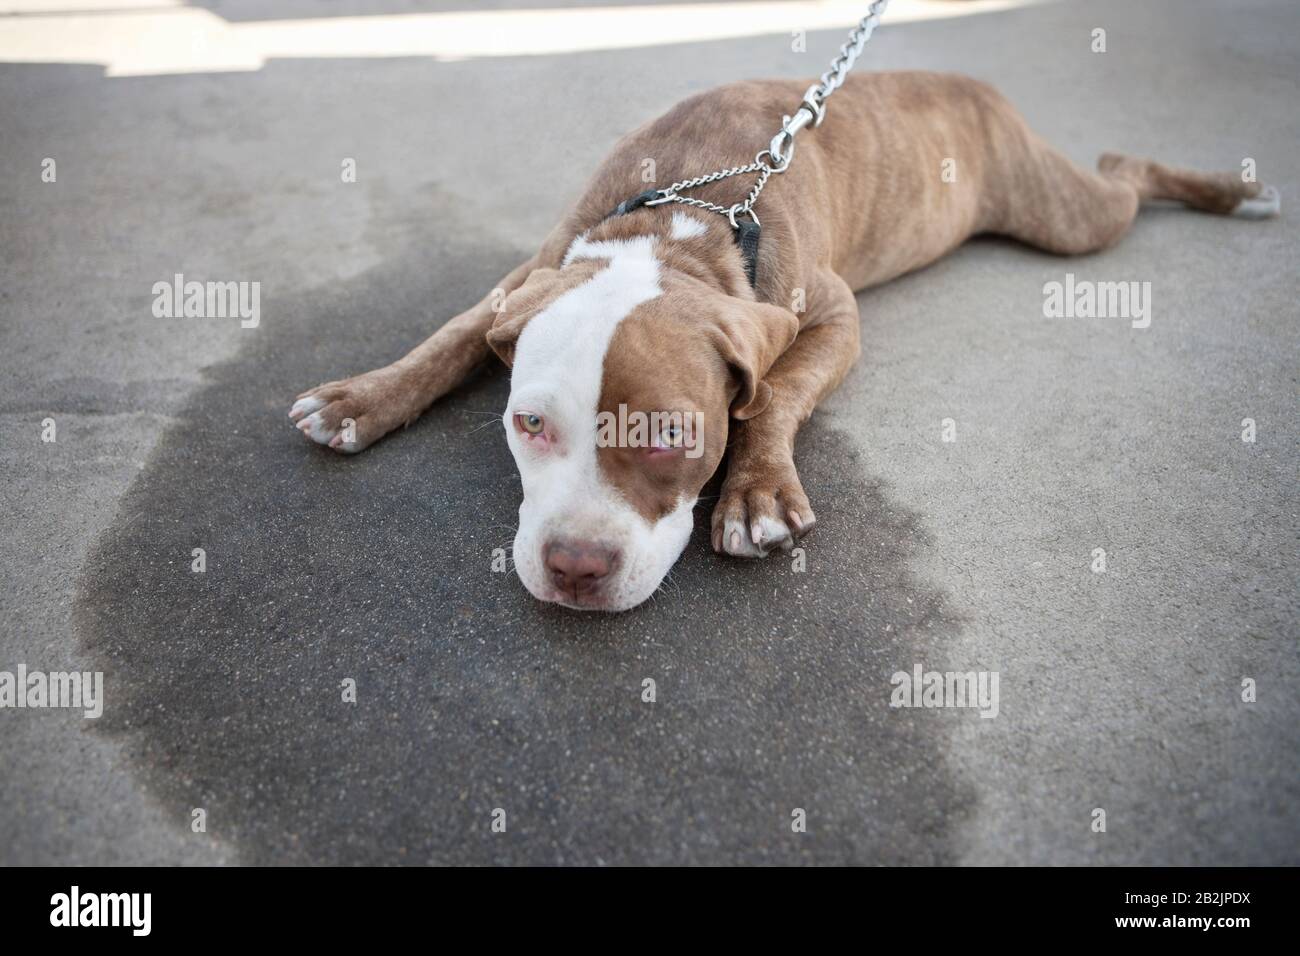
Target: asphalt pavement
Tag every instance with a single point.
(1119, 690)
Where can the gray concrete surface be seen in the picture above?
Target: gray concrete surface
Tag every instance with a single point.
(1119, 690)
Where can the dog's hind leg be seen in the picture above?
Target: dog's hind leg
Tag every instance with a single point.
(1049, 202)
(352, 413)
(1221, 193)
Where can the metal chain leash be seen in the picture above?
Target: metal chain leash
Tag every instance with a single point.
(781, 150)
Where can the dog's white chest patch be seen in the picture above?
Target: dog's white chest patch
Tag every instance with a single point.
(687, 227)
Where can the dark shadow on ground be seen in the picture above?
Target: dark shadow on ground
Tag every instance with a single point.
(772, 685)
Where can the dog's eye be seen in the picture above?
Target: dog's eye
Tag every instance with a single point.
(671, 437)
(530, 423)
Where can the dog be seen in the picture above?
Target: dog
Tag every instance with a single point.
(654, 311)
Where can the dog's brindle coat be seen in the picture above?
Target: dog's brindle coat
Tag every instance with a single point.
(653, 309)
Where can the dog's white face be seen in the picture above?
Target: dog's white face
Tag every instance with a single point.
(613, 558)
(616, 339)
(581, 542)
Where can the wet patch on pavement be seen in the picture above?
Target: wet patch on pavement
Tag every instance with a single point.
(772, 685)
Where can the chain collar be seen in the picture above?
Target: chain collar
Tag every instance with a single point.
(775, 159)
(778, 155)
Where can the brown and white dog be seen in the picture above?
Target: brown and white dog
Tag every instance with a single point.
(653, 311)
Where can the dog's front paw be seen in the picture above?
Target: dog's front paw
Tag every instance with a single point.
(352, 413)
(761, 511)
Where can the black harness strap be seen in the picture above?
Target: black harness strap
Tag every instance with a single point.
(747, 239)
(747, 232)
(636, 202)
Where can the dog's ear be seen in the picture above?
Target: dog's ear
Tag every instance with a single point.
(751, 336)
(518, 310)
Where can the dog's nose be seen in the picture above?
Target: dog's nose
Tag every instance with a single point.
(578, 566)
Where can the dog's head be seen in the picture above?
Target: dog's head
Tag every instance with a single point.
(624, 377)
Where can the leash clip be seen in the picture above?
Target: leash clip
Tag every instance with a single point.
(782, 145)
(811, 112)
(736, 210)
(812, 102)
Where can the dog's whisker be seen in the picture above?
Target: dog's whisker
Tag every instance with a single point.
(479, 428)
